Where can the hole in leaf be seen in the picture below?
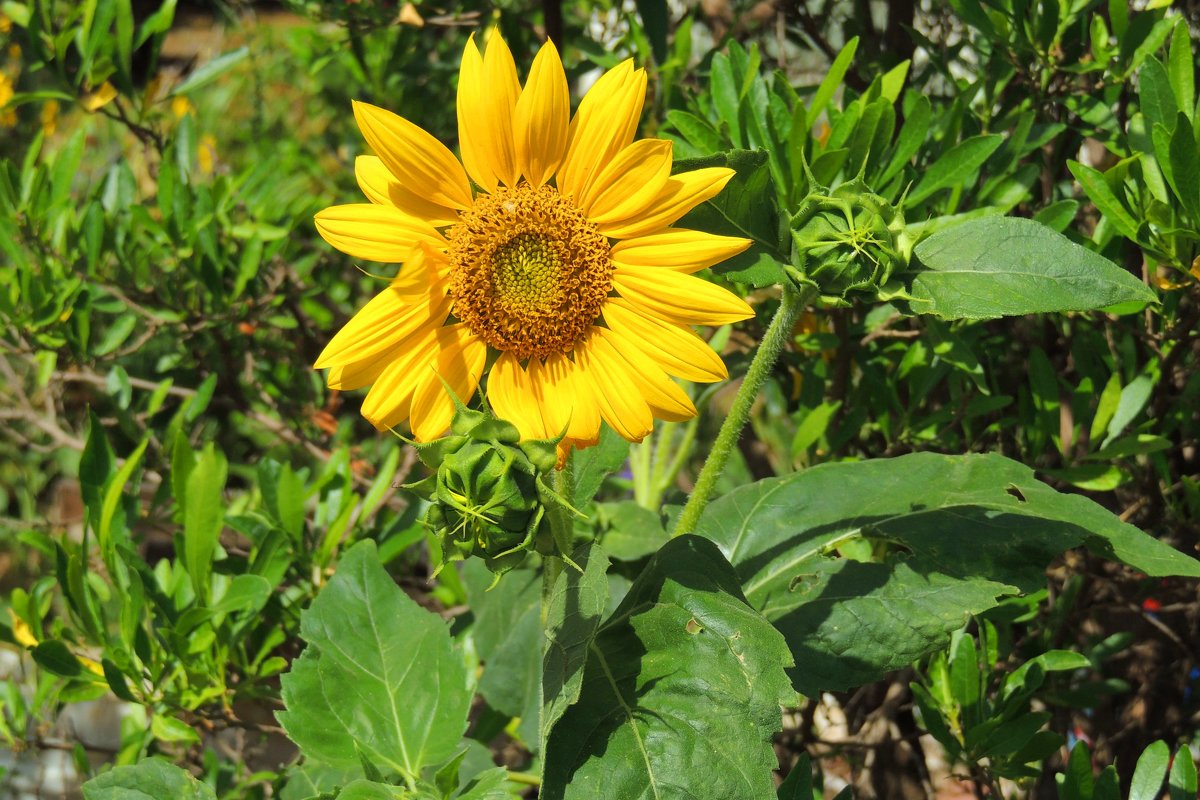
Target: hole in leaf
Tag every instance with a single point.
(1015, 492)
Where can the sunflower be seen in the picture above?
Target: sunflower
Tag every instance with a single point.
(548, 252)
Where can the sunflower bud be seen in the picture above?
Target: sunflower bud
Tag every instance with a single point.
(849, 241)
(487, 495)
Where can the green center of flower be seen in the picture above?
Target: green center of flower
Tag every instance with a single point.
(526, 272)
(529, 273)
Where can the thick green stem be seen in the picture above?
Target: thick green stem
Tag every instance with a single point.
(778, 334)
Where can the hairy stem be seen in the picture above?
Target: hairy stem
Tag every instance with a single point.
(777, 335)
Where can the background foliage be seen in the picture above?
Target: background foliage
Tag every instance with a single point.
(177, 485)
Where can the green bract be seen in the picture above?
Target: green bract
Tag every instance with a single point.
(488, 495)
(848, 241)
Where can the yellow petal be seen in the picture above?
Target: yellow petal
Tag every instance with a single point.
(606, 375)
(541, 117)
(98, 99)
(390, 399)
(678, 249)
(383, 323)
(675, 297)
(584, 427)
(382, 188)
(418, 161)
(376, 233)
(472, 123)
(459, 363)
(510, 393)
(604, 125)
(681, 194)
(677, 350)
(662, 394)
(629, 183)
(554, 393)
(497, 98)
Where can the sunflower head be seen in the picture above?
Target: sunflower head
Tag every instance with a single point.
(544, 266)
(852, 242)
(487, 494)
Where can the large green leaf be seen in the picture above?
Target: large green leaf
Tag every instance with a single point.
(959, 532)
(681, 691)
(577, 604)
(152, 779)
(508, 639)
(745, 207)
(1001, 266)
(380, 679)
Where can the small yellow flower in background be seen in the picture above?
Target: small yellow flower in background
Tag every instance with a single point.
(559, 265)
(98, 99)
(22, 633)
(5, 23)
(410, 16)
(181, 106)
(206, 155)
(8, 117)
(49, 117)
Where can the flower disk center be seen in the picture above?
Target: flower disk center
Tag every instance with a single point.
(529, 273)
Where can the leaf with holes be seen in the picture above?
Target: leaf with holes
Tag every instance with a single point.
(948, 534)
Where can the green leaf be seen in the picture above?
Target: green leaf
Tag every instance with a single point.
(654, 22)
(55, 657)
(510, 615)
(203, 517)
(1106, 407)
(682, 633)
(311, 779)
(954, 166)
(245, 593)
(1133, 399)
(1156, 96)
(1149, 773)
(798, 783)
(370, 790)
(631, 531)
(696, 131)
(1077, 783)
(1184, 175)
(593, 464)
(1181, 69)
(832, 80)
(170, 729)
(210, 71)
(952, 533)
(1001, 266)
(151, 779)
(1059, 215)
(112, 496)
(1182, 780)
(1105, 200)
(745, 207)
(380, 678)
(577, 604)
(912, 134)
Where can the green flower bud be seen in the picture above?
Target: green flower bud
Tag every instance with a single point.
(487, 495)
(849, 241)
